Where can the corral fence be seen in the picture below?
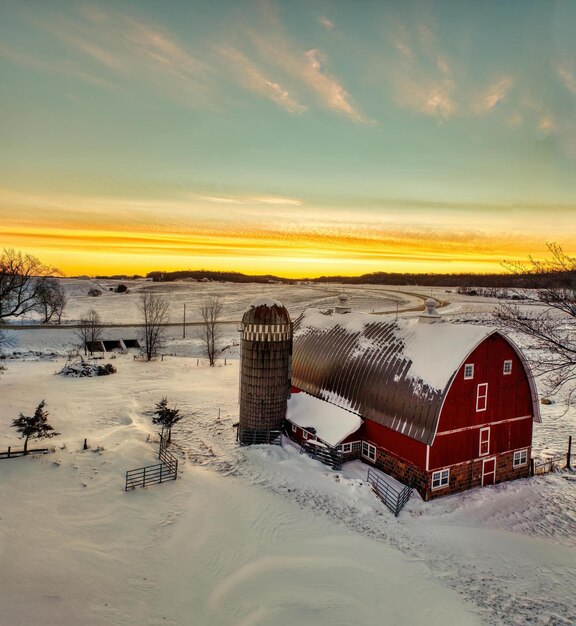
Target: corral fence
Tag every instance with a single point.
(547, 466)
(248, 437)
(167, 469)
(329, 456)
(12, 454)
(395, 498)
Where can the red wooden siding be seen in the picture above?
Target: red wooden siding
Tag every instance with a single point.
(508, 397)
(405, 447)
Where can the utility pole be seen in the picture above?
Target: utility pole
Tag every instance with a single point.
(184, 323)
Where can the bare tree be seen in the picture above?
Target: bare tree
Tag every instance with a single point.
(6, 340)
(210, 311)
(550, 326)
(22, 277)
(154, 310)
(89, 328)
(52, 300)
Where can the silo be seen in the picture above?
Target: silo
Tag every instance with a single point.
(265, 371)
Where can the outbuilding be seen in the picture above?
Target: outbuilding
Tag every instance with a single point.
(443, 407)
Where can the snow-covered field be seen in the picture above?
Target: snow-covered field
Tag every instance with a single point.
(252, 536)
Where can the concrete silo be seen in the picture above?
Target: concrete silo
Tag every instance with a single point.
(265, 371)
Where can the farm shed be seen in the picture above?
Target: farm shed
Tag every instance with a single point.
(445, 407)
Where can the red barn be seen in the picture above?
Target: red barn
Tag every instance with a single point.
(444, 407)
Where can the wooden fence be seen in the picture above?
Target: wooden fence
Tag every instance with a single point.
(329, 456)
(551, 465)
(12, 454)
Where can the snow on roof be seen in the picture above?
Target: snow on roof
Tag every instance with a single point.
(269, 302)
(332, 423)
(393, 371)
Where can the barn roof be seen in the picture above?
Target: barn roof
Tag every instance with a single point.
(395, 372)
(331, 423)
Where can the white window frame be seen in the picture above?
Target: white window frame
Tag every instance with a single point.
(346, 447)
(486, 441)
(369, 449)
(294, 428)
(442, 477)
(304, 434)
(469, 371)
(481, 396)
(517, 460)
(507, 367)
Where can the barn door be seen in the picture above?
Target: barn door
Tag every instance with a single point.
(489, 471)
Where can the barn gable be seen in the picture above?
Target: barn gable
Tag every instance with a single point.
(395, 372)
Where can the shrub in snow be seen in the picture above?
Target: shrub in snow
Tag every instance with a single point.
(121, 288)
(166, 416)
(94, 292)
(82, 368)
(35, 426)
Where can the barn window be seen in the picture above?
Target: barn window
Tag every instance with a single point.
(484, 441)
(304, 435)
(368, 451)
(440, 479)
(520, 458)
(346, 447)
(468, 371)
(482, 397)
(507, 367)
(294, 428)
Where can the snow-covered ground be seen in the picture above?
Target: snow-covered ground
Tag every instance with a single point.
(251, 536)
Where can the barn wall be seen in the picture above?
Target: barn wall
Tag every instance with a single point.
(409, 449)
(509, 398)
(508, 395)
(449, 449)
(469, 475)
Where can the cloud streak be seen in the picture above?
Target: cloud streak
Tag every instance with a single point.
(306, 66)
(132, 49)
(253, 79)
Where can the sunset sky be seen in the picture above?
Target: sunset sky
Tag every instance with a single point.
(296, 137)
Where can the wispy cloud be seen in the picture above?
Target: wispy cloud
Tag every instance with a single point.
(425, 78)
(275, 200)
(62, 66)
(131, 48)
(252, 78)
(567, 77)
(307, 66)
(422, 78)
(494, 95)
(326, 23)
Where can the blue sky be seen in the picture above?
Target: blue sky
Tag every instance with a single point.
(299, 138)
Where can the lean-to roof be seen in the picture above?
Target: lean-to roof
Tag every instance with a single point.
(395, 372)
(332, 424)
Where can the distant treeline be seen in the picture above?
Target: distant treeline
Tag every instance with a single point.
(205, 275)
(497, 281)
(489, 281)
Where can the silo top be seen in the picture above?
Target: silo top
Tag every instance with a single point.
(266, 311)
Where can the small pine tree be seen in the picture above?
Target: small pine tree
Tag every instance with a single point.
(35, 427)
(166, 416)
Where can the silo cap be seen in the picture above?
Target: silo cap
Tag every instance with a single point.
(266, 311)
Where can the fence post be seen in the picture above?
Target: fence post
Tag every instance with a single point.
(531, 467)
(144, 478)
(9, 448)
(569, 453)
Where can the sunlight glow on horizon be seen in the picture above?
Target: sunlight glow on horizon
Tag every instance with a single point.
(269, 137)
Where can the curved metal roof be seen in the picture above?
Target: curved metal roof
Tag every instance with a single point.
(395, 372)
(266, 311)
